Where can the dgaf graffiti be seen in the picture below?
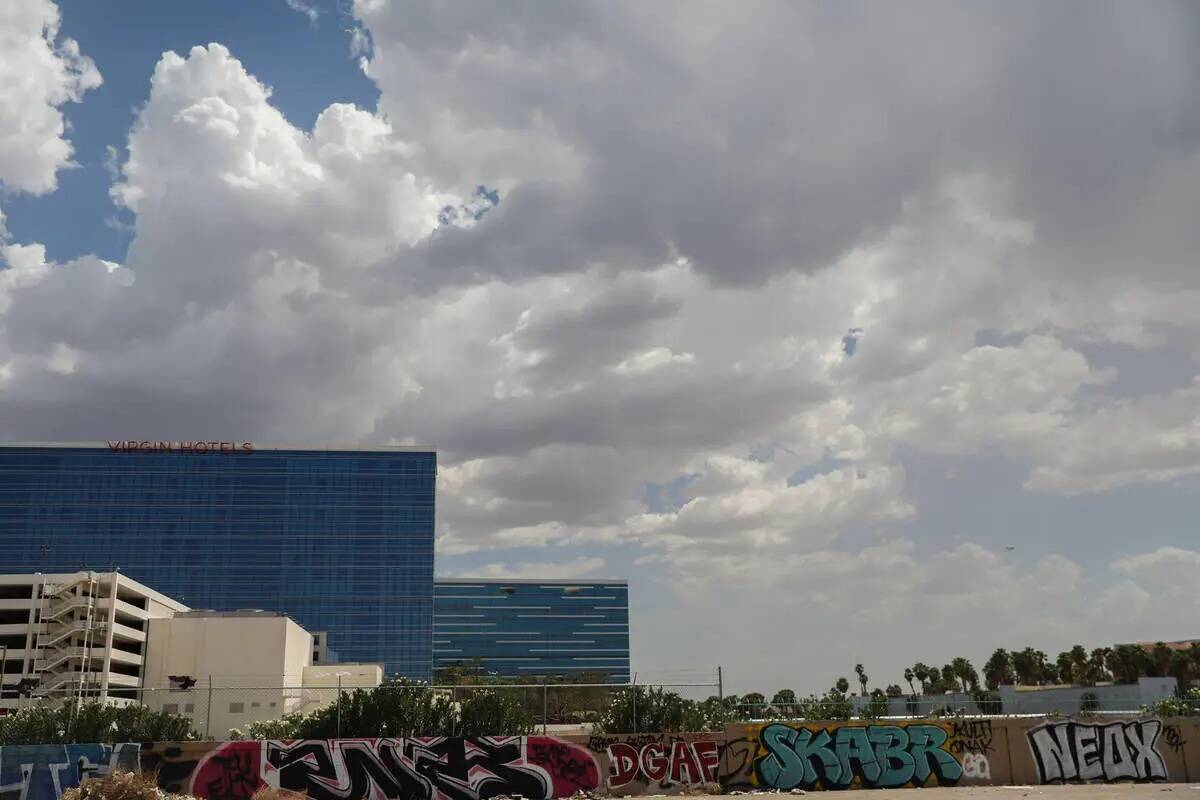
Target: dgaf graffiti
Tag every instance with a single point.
(841, 756)
(44, 771)
(1084, 751)
(658, 764)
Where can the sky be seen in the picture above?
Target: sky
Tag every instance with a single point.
(848, 333)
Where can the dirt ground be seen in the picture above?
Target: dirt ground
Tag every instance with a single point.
(1109, 791)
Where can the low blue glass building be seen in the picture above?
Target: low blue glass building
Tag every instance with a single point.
(532, 627)
(341, 540)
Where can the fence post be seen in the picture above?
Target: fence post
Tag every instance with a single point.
(635, 729)
(208, 713)
(720, 687)
(339, 707)
(544, 691)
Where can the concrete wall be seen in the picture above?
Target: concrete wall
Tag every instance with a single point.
(252, 658)
(772, 756)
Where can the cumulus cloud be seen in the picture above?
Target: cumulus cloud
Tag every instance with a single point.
(612, 286)
(39, 73)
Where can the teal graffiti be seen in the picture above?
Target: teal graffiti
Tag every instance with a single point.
(880, 756)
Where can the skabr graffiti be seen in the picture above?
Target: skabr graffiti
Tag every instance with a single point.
(1065, 752)
(871, 756)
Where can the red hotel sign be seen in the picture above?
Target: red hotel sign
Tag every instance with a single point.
(181, 447)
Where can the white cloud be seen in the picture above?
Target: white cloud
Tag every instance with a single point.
(306, 8)
(639, 350)
(546, 570)
(39, 73)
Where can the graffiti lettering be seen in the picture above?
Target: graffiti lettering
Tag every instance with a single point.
(976, 767)
(44, 771)
(663, 763)
(877, 756)
(971, 736)
(1173, 738)
(1082, 751)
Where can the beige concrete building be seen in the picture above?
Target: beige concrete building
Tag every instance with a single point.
(230, 669)
(80, 634)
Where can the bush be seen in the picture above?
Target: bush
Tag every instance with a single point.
(988, 702)
(93, 721)
(638, 709)
(1185, 705)
(875, 708)
(487, 712)
(833, 705)
(118, 785)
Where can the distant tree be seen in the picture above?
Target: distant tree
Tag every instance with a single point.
(1128, 662)
(862, 678)
(998, 671)
(1029, 665)
(965, 672)
(842, 686)
(1182, 668)
(921, 673)
(933, 677)
(1096, 670)
(754, 704)
(1065, 665)
(1050, 674)
(908, 678)
(785, 702)
(949, 679)
(1160, 660)
(894, 690)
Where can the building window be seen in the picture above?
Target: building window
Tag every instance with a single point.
(170, 708)
(237, 708)
(255, 705)
(189, 708)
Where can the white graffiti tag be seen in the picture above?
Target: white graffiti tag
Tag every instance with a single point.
(976, 766)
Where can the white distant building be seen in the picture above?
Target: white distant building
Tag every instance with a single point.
(227, 669)
(104, 636)
(79, 634)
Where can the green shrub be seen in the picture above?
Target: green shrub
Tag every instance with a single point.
(1186, 704)
(93, 721)
(638, 709)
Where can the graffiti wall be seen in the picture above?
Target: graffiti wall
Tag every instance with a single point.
(772, 756)
(841, 755)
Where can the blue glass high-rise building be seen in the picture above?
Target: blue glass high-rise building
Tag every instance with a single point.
(341, 540)
(533, 627)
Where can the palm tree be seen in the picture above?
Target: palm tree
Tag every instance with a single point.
(1028, 666)
(842, 685)
(998, 671)
(1160, 660)
(862, 678)
(966, 674)
(1096, 671)
(921, 673)
(1066, 667)
(908, 678)
(1128, 662)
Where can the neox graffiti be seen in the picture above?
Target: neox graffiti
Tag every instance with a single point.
(1083, 752)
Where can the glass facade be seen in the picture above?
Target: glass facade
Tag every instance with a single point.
(538, 628)
(340, 540)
